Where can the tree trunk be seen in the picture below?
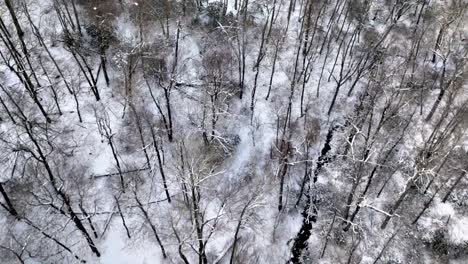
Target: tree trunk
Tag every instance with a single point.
(153, 228)
(454, 185)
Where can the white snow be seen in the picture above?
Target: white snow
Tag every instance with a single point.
(458, 230)
(442, 209)
(119, 250)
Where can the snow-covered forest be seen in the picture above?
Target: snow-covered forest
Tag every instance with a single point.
(233, 131)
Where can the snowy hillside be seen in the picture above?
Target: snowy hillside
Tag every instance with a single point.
(233, 131)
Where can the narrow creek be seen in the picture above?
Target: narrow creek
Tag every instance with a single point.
(309, 213)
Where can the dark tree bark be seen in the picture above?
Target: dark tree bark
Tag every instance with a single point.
(58, 190)
(9, 205)
(454, 185)
(238, 227)
(160, 165)
(122, 217)
(148, 220)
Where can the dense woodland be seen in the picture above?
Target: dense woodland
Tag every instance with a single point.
(233, 131)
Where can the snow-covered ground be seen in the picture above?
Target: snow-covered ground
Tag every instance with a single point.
(233, 173)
